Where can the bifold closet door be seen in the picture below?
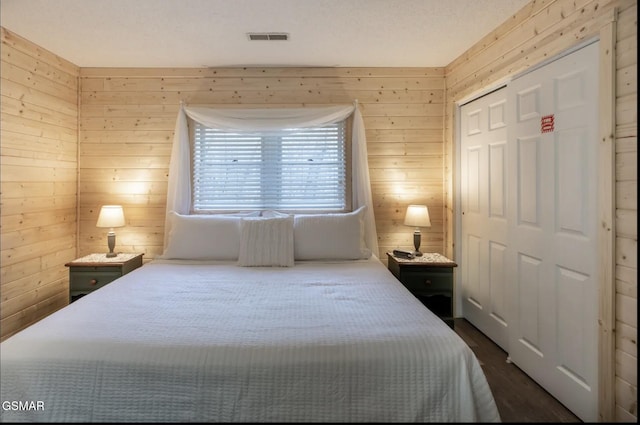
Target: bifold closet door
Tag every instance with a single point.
(483, 185)
(552, 235)
(528, 239)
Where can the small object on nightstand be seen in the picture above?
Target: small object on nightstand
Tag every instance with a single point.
(94, 271)
(430, 279)
(403, 254)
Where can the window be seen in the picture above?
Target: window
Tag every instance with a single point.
(292, 170)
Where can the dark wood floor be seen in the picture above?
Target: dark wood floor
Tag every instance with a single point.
(518, 397)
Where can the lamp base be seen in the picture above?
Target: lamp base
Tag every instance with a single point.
(111, 240)
(416, 243)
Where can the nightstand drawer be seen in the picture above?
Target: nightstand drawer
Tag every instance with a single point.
(428, 282)
(89, 281)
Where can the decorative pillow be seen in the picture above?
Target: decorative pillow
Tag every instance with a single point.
(266, 242)
(330, 236)
(241, 214)
(203, 237)
(272, 214)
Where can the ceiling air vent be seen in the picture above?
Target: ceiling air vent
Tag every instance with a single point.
(268, 36)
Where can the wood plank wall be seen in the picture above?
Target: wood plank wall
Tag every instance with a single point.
(38, 181)
(542, 29)
(626, 268)
(127, 118)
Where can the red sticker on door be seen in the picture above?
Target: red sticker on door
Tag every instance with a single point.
(546, 124)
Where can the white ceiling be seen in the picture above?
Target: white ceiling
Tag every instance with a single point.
(197, 33)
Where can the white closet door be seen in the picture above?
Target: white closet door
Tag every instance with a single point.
(483, 185)
(552, 243)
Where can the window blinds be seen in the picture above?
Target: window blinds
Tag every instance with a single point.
(293, 170)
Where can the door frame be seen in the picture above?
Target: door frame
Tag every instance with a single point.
(606, 205)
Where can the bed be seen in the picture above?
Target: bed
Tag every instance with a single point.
(201, 340)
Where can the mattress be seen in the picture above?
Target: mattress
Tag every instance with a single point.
(189, 341)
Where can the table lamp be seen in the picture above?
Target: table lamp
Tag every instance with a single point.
(417, 216)
(111, 216)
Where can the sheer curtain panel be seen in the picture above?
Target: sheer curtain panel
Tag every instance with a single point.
(179, 190)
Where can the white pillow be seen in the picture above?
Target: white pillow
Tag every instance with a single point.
(241, 214)
(203, 237)
(272, 214)
(330, 236)
(266, 242)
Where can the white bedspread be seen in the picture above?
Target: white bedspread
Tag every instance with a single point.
(178, 341)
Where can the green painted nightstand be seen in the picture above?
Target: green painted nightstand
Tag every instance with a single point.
(94, 271)
(430, 279)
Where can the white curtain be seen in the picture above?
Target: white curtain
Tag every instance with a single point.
(179, 187)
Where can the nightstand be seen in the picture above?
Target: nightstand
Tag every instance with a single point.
(430, 279)
(94, 271)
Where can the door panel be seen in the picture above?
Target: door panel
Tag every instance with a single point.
(484, 214)
(497, 180)
(528, 178)
(497, 277)
(553, 229)
(529, 274)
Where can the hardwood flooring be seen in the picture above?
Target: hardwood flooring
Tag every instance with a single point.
(518, 397)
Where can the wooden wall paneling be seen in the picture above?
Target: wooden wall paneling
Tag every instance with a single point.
(127, 117)
(38, 181)
(627, 402)
(41, 59)
(626, 386)
(537, 32)
(264, 72)
(264, 97)
(559, 26)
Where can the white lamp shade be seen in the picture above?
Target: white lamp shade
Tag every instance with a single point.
(111, 216)
(417, 216)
